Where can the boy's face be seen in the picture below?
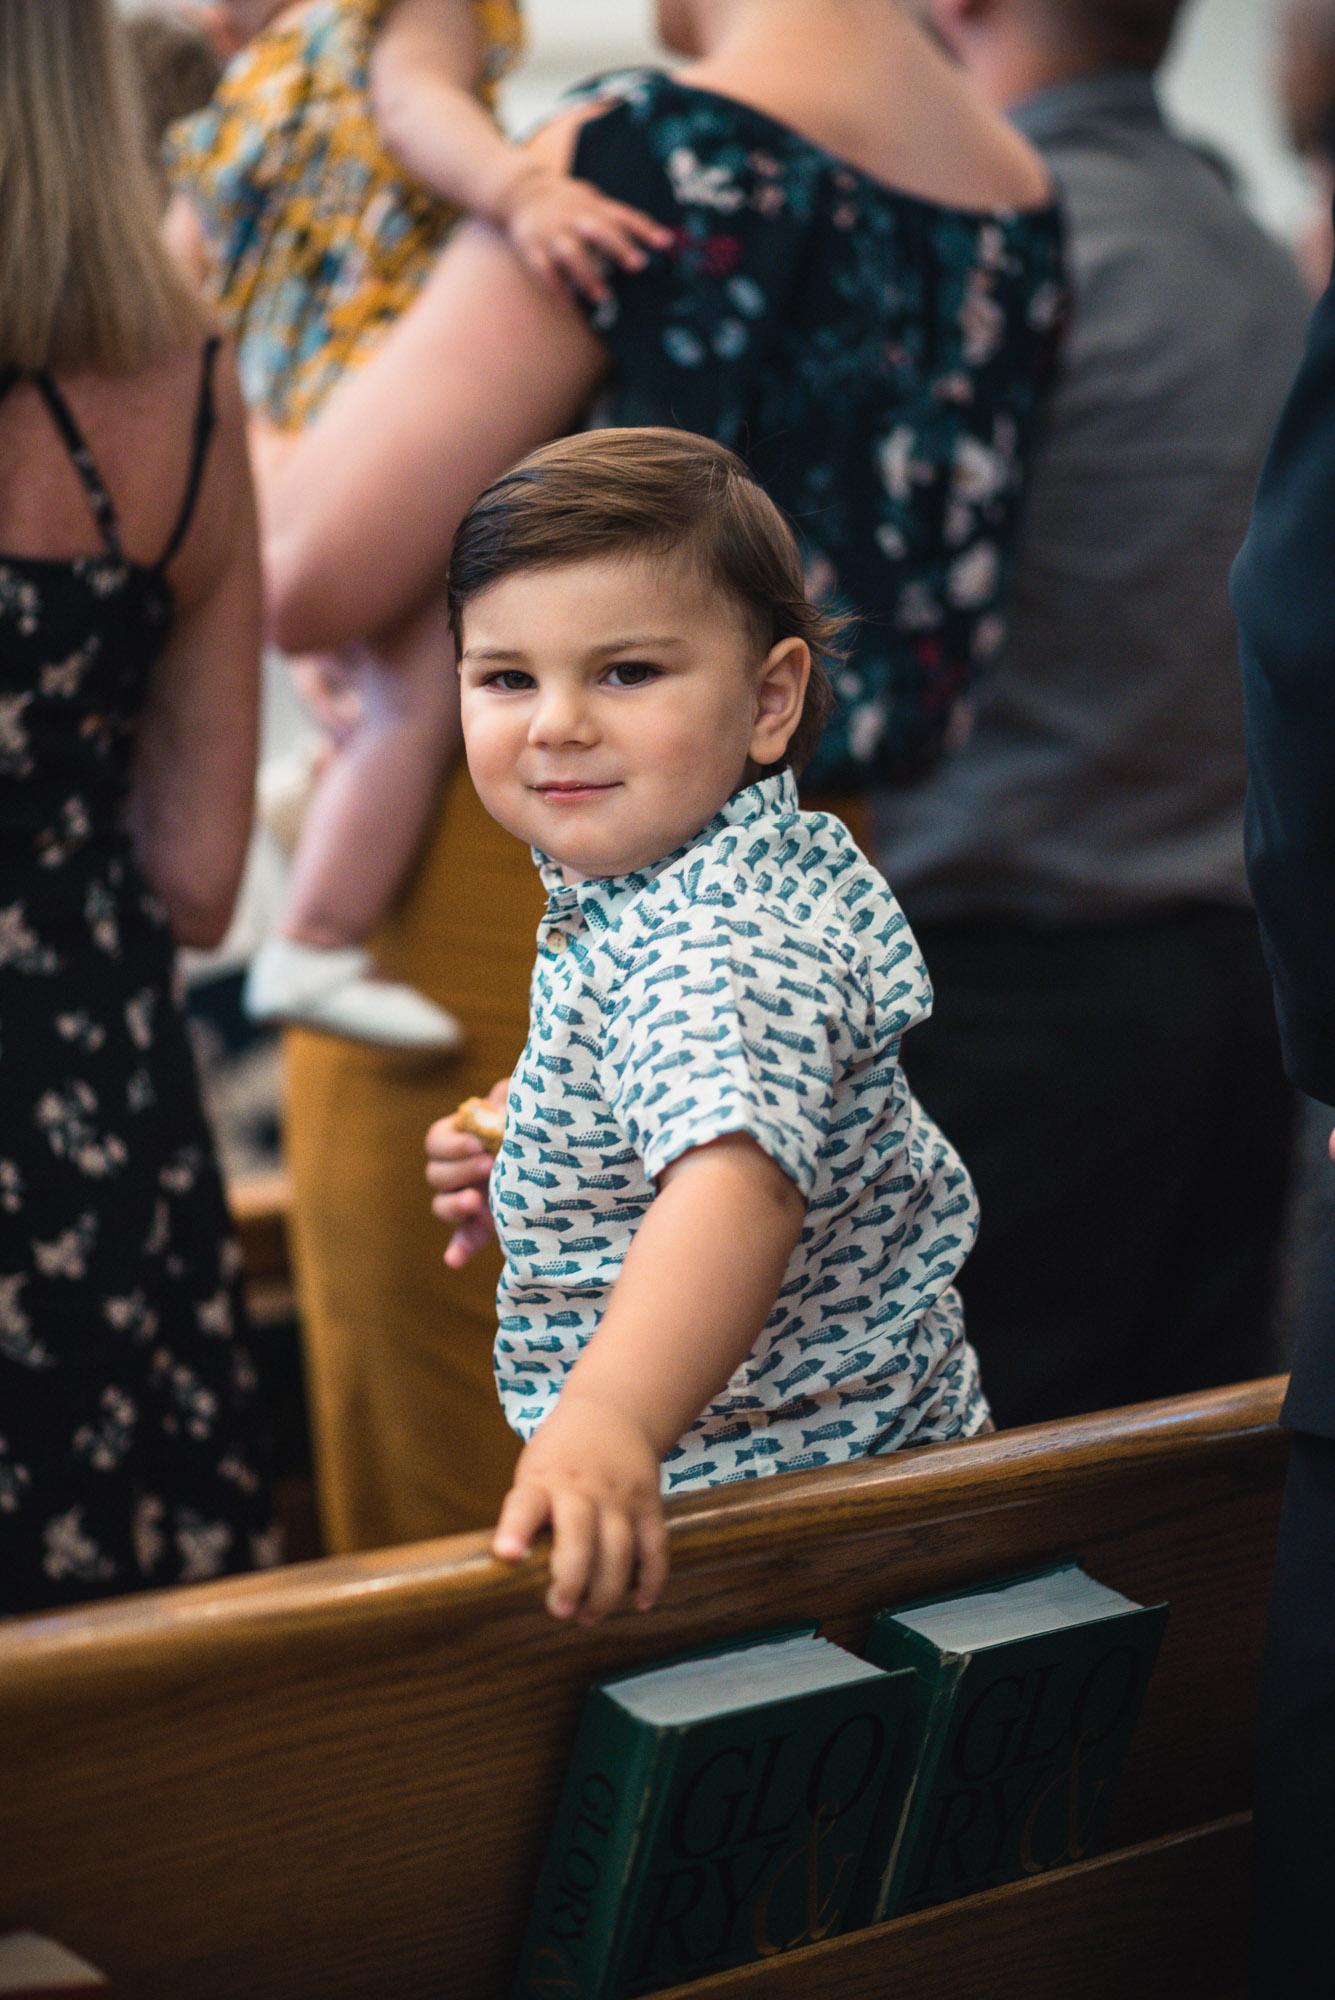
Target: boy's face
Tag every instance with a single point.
(611, 707)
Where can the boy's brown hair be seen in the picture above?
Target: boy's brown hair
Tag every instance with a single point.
(614, 493)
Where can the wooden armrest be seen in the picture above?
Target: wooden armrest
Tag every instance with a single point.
(261, 1205)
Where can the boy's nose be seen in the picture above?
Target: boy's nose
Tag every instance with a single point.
(561, 716)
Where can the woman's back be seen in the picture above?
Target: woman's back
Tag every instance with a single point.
(139, 429)
(85, 602)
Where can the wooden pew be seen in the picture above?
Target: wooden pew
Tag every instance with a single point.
(260, 1205)
(338, 1780)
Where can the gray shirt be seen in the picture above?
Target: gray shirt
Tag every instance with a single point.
(1105, 772)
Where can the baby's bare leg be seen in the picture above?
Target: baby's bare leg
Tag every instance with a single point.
(372, 803)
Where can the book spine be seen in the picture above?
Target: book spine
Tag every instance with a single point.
(591, 1856)
(925, 1734)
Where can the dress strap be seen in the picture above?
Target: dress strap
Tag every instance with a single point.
(99, 500)
(205, 413)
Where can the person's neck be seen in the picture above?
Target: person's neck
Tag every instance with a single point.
(862, 79)
(758, 40)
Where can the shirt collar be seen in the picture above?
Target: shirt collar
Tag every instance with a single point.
(1125, 95)
(766, 799)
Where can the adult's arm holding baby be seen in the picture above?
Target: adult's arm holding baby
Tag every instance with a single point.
(698, 1283)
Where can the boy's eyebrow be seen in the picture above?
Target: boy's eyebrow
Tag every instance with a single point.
(658, 640)
(655, 639)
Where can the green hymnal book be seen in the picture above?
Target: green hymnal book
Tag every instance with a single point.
(1026, 1693)
(715, 1810)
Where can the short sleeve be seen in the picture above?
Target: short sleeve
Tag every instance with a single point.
(722, 1024)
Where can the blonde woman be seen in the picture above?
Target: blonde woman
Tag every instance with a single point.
(129, 628)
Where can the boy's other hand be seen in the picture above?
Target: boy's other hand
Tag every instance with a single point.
(591, 1474)
(458, 1168)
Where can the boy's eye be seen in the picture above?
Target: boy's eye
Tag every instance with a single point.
(631, 673)
(510, 680)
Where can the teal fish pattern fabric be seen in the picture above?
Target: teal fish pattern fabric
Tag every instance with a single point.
(759, 980)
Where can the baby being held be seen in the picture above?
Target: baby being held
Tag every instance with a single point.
(313, 197)
(731, 1235)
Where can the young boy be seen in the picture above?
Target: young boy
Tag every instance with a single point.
(730, 1233)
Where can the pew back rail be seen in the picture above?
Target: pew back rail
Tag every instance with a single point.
(338, 1779)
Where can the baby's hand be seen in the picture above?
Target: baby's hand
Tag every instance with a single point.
(591, 1473)
(561, 227)
(458, 1169)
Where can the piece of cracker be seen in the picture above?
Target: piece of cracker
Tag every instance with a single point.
(485, 1120)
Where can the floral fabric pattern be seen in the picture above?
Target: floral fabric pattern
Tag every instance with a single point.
(758, 981)
(130, 1432)
(319, 238)
(879, 361)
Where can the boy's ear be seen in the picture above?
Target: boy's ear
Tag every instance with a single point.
(781, 689)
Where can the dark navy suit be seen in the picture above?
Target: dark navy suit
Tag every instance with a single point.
(1284, 592)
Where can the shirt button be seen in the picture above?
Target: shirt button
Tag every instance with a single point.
(557, 942)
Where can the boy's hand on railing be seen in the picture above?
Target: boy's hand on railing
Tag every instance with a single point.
(591, 1474)
(458, 1169)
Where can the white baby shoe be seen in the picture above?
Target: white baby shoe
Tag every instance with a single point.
(320, 987)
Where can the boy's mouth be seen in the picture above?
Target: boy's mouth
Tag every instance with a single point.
(569, 791)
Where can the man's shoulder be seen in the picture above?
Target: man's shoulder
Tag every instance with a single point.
(1153, 184)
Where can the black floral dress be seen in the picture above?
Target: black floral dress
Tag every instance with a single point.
(129, 1420)
(878, 359)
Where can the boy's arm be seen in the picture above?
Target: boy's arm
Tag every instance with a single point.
(424, 70)
(696, 1288)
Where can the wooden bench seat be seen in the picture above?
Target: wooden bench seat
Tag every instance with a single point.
(336, 1782)
(261, 1206)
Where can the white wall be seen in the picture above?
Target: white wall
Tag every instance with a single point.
(1219, 84)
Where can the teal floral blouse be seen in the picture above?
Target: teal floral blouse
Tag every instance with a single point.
(879, 361)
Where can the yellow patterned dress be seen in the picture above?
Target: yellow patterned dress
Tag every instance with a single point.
(319, 239)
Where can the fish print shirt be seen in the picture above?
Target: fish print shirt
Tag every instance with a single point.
(758, 980)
